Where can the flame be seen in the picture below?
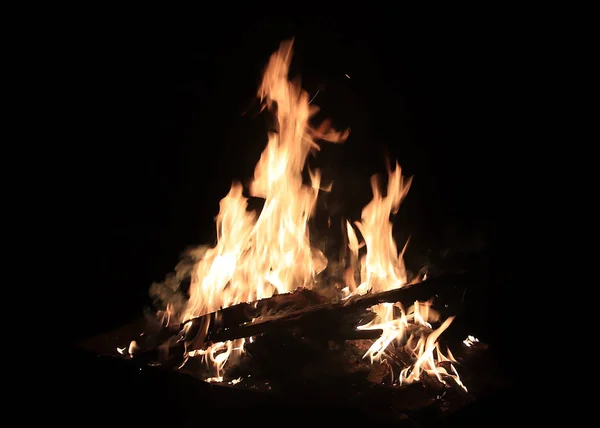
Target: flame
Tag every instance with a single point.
(381, 269)
(258, 255)
(217, 355)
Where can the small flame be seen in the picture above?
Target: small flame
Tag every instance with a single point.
(470, 340)
(412, 331)
(133, 347)
(217, 355)
(382, 268)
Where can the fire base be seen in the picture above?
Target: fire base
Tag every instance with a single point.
(297, 384)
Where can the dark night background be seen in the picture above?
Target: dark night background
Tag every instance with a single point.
(163, 134)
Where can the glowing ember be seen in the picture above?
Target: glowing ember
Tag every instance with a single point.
(257, 256)
(470, 340)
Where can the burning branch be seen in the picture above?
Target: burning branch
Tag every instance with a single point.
(334, 320)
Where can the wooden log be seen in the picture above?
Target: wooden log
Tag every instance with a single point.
(448, 285)
(244, 312)
(338, 319)
(159, 339)
(319, 320)
(304, 311)
(449, 288)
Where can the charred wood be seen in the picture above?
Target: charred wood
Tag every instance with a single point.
(307, 313)
(244, 312)
(339, 320)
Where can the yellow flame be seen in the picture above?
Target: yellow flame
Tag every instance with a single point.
(258, 256)
(382, 268)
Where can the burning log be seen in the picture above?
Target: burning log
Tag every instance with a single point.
(324, 319)
(244, 312)
(449, 287)
(302, 311)
(331, 320)
(160, 339)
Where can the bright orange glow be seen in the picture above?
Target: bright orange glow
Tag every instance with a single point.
(258, 255)
(382, 269)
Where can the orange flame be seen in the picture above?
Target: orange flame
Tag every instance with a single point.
(382, 269)
(257, 256)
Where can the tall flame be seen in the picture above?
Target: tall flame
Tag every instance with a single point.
(256, 257)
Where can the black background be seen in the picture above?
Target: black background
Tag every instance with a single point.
(165, 120)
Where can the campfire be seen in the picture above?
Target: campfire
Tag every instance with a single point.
(265, 309)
